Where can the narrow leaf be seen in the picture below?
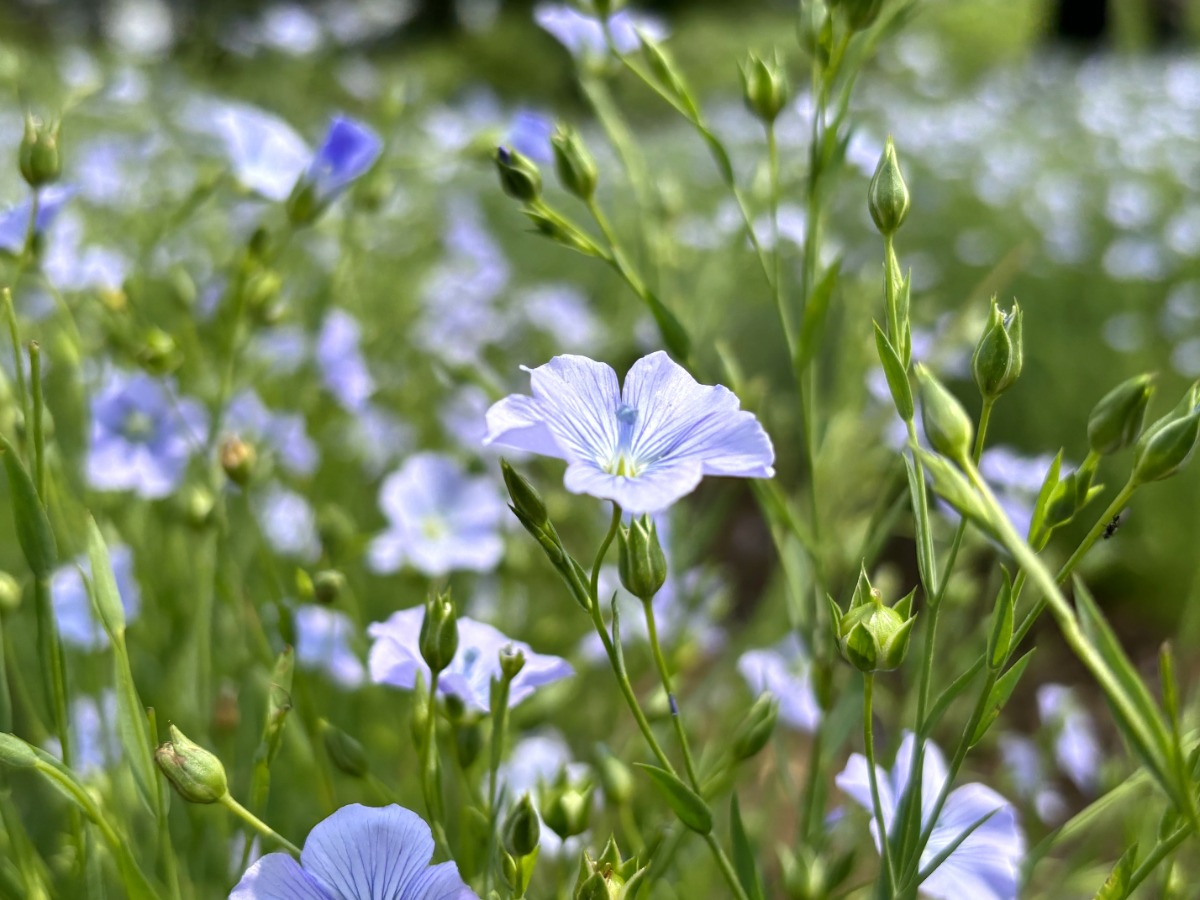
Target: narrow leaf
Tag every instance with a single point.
(686, 803)
(743, 854)
(1116, 885)
(812, 329)
(1001, 691)
(896, 374)
(673, 333)
(33, 526)
(920, 504)
(1036, 538)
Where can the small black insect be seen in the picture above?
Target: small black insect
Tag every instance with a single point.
(1111, 528)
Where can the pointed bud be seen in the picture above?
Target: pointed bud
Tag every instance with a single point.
(1167, 451)
(566, 805)
(616, 780)
(574, 163)
(642, 564)
(814, 30)
(159, 354)
(345, 752)
(39, 158)
(765, 87)
(999, 355)
(195, 773)
(887, 197)
(527, 502)
(439, 632)
(512, 661)
(1117, 420)
(756, 728)
(873, 637)
(519, 176)
(860, 14)
(947, 425)
(522, 831)
(237, 460)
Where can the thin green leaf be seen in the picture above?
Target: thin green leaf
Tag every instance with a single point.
(812, 329)
(1036, 539)
(920, 505)
(686, 803)
(998, 696)
(34, 533)
(673, 333)
(896, 374)
(744, 862)
(1116, 885)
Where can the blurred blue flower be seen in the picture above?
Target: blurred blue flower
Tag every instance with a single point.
(283, 434)
(142, 436)
(561, 311)
(1076, 746)
(440, 519)
(583, 35)
(643, 446)
(1022, 761)
(288, 522)
(73, 606)
(341, 361)
(358, 853)
(536, 759)
(348, 150)
(395, 659)
(784, 670)
(323, 637)
(529, 133)
(70, 266)
(986, 865)
(14, 222)
(95, 744)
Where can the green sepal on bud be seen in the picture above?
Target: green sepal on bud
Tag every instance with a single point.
(999, 355)
(947, 425)
(566, 805)
(519, 175)
(608, 876)
(574, 163)
(888, 198)
(1117, 420)
(194, 772)
(527, 503)
(871, 636)
(328, 586)
(39, 157)
(641, 563)
(439, 632)
(522, 830)
(814, 30)
(512, 661)
(346, 753)
(860, 14)
(1166, 450)
(765, 87)
(756, 728)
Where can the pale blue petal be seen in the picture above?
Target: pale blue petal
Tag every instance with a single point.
(279, 877)
(986, 865)
(578, 399)
(855, 783)
(367, 853)
(517, 422)
(349, 149)
(395, 656)
(654, 489)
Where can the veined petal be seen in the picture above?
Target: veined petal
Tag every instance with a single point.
(854, 781)
(986, 864)
(278, 877)
(679, 418)
(517, 422)
(933, 773)
(654, 489)
(578, 400)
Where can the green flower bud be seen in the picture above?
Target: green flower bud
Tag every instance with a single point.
(328, 586)
(439, 632)
(1167, 450)
(765, 87)
(575, 165)
(642, 564)
(238, 460)
(302, 207)
(39, 158)
(1117, 420)
(615, 778)
(608, 876)
(887, 197)
(468, 740)
(159, 354)
(526, 501)
(10, 593)
(345, 752)
(512, 661)
(519, 176)
(872, 637)
(947, 425)
(566, 805)
(195, 773)
(522, 830)
(756, 728)
(999, 355)
(814, 30)
(860, 14)
(196, 505)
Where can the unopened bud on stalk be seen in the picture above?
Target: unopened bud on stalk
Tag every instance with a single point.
(512, 661)
(947, 425)
(194, 772)
(615, 778)
(888, 198)
(39, 158)
(872, 637)
(566, 805)
(608, 876)
(328, 586)
(1167, 450)
(765, 87)
(237, 459)
(860, 14)
(1117, 420)
(519, 176)
(999, 355)
(526, 501)
(641, 564)
(522, 830)
(439, 632)
(756, 728)
(576, 166)
(345, 752)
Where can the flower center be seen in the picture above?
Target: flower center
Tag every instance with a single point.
(623, 462)
(137, 426)
(433, 528)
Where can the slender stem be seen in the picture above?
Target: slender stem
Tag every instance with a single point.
(726, 867)
(873, 778)
(35, 206)
(613, 525)
(10, 315)
(430, 782)
(1164, 848)
(676, 719)
(499, 726)
(1114, 508)
(39, 408)
(785, 315)
(258, 824)
(53, 665)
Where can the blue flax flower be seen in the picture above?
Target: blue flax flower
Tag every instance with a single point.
(644, 445)
(323, 638)
(341, 361)
(441, 519)
(986, 865)
(1076, 747)
(358, 853)
(395, 659)
(14, 222)
(142, 436)
(349, 149)
(73, 606)
(583, 35)
(785, 670)
(284, 434)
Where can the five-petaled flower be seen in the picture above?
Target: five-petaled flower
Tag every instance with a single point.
(395, 659)
(644, 445)
(358, 853)
(986, 865)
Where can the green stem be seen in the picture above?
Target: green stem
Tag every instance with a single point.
(10, 315)
(499, 726)
(726, 867)
(39, 409)
(873, 778)
(676, 719)
(430, 782)
(1164, 848)
(258, 824)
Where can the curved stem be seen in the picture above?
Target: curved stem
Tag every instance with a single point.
(676, 718)
(258, 824)
(726, 867)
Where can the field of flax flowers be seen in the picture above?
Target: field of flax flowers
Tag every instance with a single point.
(597, 453)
